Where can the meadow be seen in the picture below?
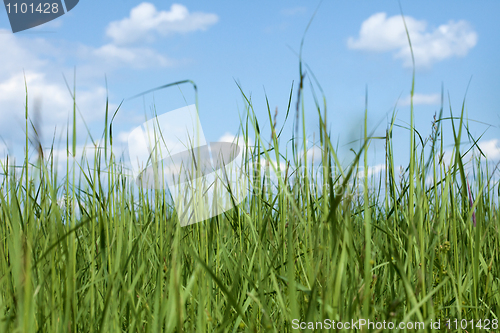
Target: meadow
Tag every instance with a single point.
(315, 241)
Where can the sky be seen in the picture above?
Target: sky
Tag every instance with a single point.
(119, 48)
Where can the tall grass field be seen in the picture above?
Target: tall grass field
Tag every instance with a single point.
(315, 242)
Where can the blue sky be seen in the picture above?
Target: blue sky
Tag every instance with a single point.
(350, 46)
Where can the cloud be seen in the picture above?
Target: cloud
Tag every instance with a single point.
(314, 154)
(374, 170)
(292, 11)
(52, 98)
(228, 137)
(240, 139)
(118, 56)
(16, 53)
(382, 34)
(491, 149)
(145, 22)
(38, 64)
(123, 136)
(422, 99)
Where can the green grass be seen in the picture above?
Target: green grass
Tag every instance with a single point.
(308, 246)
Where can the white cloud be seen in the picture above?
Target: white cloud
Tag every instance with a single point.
(382, 34)
(118, 56)
(422, 99)
(491, 149)
(123, 136)
(60, 155)
(292, 11)
(38, 64)
(227, 137)
(145, 21)
(19, 53)
(240, 140)
(54, 102)
(374, 170)
(314, 154)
